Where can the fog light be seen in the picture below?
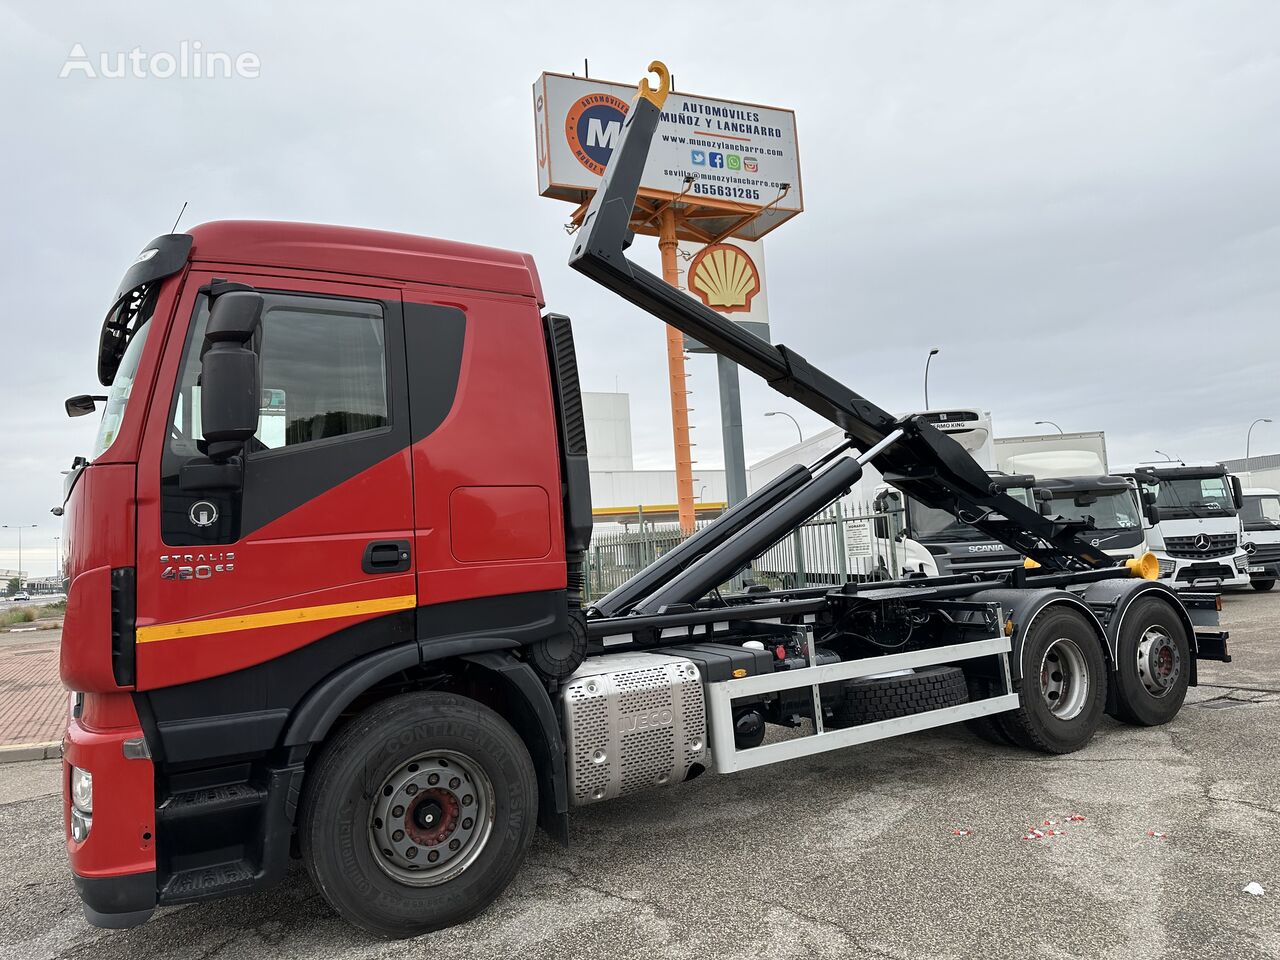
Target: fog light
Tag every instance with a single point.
(82, 790)
(80, 825)
(1166, 568)
(1242, 564)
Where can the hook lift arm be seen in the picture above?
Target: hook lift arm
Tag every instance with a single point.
(923, 462)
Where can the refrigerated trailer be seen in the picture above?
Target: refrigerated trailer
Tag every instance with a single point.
(326, 582)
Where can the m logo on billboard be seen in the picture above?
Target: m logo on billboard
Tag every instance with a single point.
(592, 128)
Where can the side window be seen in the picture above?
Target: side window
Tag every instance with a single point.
(324, 376)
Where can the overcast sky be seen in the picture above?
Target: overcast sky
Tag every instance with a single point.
(1079, 203)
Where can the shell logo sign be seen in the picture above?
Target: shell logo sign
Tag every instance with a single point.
(724, 278)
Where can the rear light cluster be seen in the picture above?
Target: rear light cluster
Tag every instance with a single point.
(81, 804)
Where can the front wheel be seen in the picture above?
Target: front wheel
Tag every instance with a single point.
(1153, 663)
(1262, 586)
(418, 814)
(1064, 684)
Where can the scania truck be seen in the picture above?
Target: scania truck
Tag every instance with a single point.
(326, 569)
(1193, 524)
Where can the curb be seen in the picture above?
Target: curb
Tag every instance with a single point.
(16, 752)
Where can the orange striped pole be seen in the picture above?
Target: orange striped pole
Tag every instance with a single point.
(678, 378)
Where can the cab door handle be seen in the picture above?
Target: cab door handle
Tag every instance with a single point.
(386, 556)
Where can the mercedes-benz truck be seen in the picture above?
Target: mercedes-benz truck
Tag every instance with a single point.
(1194, 525)
(1260, 523)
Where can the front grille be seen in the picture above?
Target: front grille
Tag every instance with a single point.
(1202, 546)
(1265, 553)
(989, 560)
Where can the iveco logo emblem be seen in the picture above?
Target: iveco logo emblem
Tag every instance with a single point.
(1202, 542)
(203, 513)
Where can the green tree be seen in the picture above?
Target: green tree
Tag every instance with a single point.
(14, 586)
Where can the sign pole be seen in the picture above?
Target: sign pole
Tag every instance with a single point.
(735, 461)
(678, 378)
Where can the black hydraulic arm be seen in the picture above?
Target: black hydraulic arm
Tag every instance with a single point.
(923, 462)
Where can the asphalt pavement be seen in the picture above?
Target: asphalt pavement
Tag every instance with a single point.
(906, 849)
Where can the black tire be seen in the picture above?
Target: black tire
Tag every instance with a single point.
(336, 828)
(1035, 725)
(1153, 663)
(866, 701)
(1262, 586)
(986, 728)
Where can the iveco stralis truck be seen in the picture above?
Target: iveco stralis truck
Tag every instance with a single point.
(1193, 528)
(1260, 523)
(326, 565)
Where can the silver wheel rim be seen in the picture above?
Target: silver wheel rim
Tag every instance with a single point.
(431, 818)
(1159, 662)
(1064, 679)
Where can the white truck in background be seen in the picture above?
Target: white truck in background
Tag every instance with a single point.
(1052, 454)
(1194, 524)
(1260, 526)
(935, 542)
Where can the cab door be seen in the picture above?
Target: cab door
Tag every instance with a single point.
(319, 537)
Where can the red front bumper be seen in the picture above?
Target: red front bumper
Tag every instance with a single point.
(115, 863)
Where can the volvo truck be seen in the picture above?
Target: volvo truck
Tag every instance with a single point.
(326, 570)
(1193, 526)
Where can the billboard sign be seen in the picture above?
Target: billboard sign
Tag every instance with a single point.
(713, 154)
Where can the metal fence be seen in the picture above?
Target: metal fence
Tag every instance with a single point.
(845, 541)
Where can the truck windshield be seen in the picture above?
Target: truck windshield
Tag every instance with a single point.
(927, 524)
(1261, 511)
(118, 393)
(1113, 510)
(1182, 497)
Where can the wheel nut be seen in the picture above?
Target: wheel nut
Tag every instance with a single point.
(433, 856)
(397, 811)
(455, 783)
(411, 789)
(398, 836)
(433, 779)
(411, 852)
(466, 824)
(454, 844)
(466, 801)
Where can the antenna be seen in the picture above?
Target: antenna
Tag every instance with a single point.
(180, 213)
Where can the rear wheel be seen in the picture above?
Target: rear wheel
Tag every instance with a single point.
(1262, 585)
(418, 814)
(1064, 685)
(1153, 663)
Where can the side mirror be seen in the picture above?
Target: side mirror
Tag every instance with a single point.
(1237, 492)
(230, 391)
(1150, 495)
(81, 404)
(1153, 514)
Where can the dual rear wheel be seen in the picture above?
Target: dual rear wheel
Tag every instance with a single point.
(1064, 688)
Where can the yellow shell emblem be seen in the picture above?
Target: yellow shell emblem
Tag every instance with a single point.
(724, 278)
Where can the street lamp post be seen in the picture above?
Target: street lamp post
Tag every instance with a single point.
(1249, 436)
(932, 353)
(1049, 423)
(781, 413)
(19, 528)
(1169, 458)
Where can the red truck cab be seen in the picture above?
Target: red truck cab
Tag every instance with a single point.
(414, 491)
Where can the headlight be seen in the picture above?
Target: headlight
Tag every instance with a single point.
(81, 824)
(82, 790)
